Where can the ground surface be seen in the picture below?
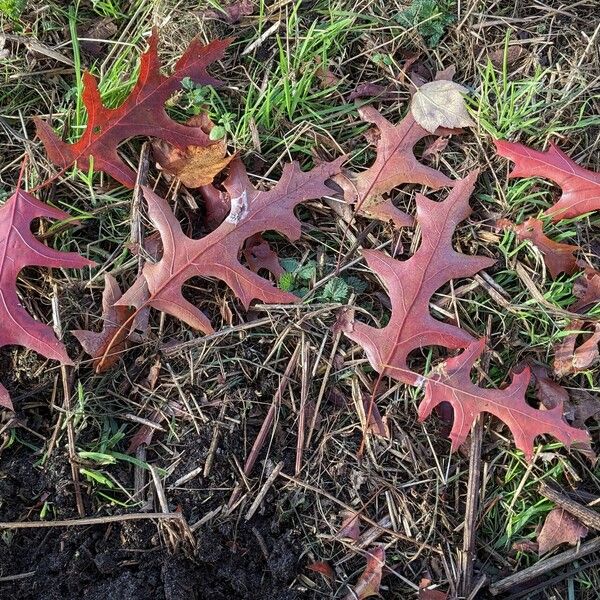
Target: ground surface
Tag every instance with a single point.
(214, 395)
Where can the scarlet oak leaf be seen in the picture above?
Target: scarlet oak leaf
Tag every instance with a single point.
(20, 249)
(560, 528)
(395, 164)
(559, 258)
(194, 166)
(580, 187)
(370, 580)
(440, 103)
(113, 333)
(142, 113)
(570, 358)
(412, 282)
(217, 254)
(453, 384)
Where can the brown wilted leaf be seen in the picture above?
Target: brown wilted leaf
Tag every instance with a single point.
(350, 529)
(195, 166)
(369, 582)
(568, 358)
(440, 103)
(560, 527)
(587, 289)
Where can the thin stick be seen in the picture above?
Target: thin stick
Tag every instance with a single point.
(587, 516)
(263, 492)
(543, 566)
(266, 426)
(65, 378)
(471, 508)
(302, 411)
(89, 521)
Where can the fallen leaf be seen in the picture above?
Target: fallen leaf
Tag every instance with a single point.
(326, 78)
(570, 358)
(113, 333)
(426, 594)
(394, 165)
(525, 546)
(368, 90)
(217, 254)
(324, 569)
(95, 38)
(587, 289)
(580, 187)
(217, 205)
(142, 113)
(369, 582)
(435, 148)
(19, 249)
(194, 166)
(559, 257)
(510, 55)
(259, 255)
(559, 528)
(350, 529)
(440, 103)
(232, 13)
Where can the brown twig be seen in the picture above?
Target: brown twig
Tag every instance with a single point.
(544, 566)
(88, 521)
(587, 516)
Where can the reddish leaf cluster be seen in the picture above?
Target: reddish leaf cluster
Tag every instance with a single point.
(241, 213)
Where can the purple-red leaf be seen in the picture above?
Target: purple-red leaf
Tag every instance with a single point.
(20, 249)
(394, 165)
(453, 384)
(217, 254)
(142, 113)
(411, 283)
(113, 333)
(559, 257)
(580, 187)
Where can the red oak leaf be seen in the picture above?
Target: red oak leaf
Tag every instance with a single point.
(113, 334)
(142, 113)
(411, 283)
(560, 528)
(395, 164)
(20, 249)
(217, 254)
(453, 384)
(559, 258)
(580, 187)
(370, 580)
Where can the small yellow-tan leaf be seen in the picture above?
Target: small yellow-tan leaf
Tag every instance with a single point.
(440, 103)
(195, 166)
